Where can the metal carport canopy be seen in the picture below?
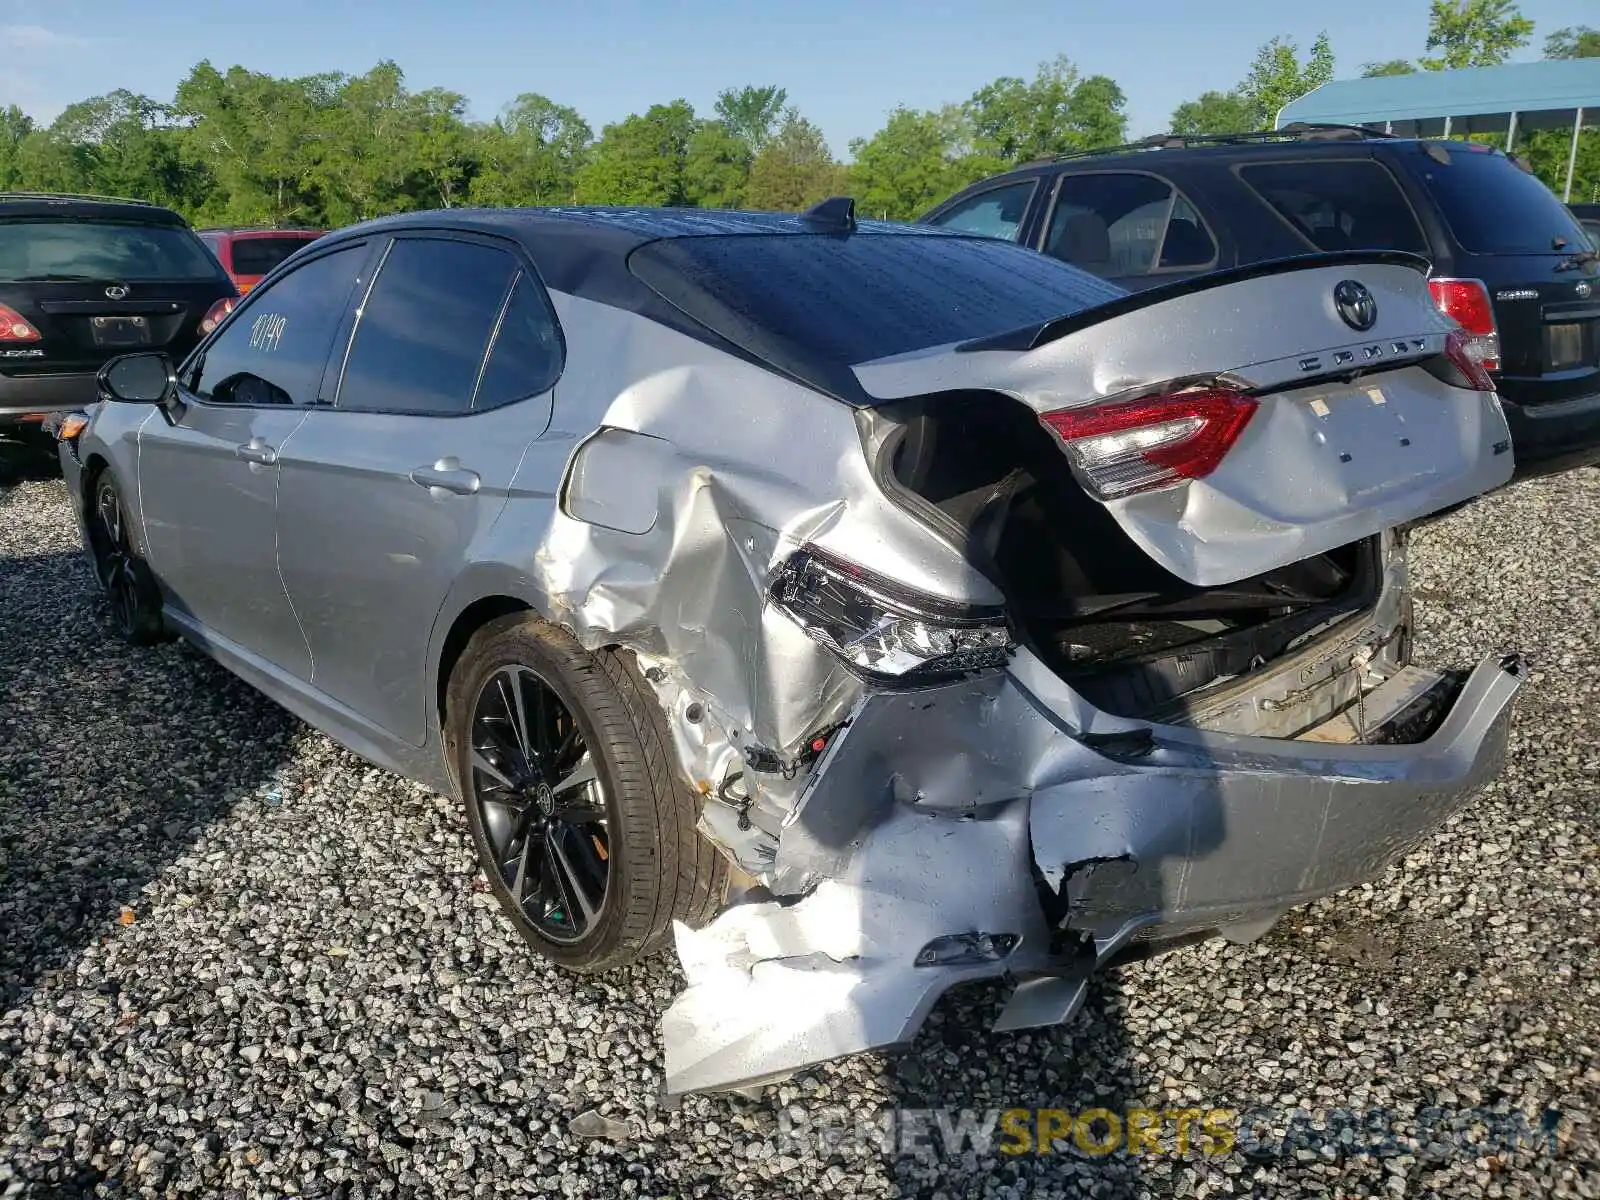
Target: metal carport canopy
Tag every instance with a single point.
(1516, 97)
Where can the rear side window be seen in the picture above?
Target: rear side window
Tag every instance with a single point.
(261, 255)
(1339, 204)
(53, 248)
(791, 299)
(1119, 224)
(1492, 205)
(996, 213)
(274, 350)
(526, 356)
(425, 327)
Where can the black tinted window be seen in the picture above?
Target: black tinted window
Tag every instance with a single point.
(259, 255)
(1492, 205)
(274, 350)
(425, 327)
(996, 213)
(526, 356)
(791, 299)
(1114, 224)
(49, 248)
(1339, 204)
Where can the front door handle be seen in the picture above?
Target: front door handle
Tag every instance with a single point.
(447, 475)
(258, 452)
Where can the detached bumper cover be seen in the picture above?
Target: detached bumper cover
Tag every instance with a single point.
(1004, 827)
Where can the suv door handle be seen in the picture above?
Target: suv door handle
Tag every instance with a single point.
(447, 475)
(258, 452)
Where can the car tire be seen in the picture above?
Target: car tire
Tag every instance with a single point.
(542, 840)
(129, 586)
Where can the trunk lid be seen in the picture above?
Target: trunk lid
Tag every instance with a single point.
(1354, 427)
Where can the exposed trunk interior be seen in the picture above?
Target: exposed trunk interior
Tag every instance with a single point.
(1129, 635)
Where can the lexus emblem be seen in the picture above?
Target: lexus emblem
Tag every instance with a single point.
(1583, 290)
(116, 292)
(1355, 304)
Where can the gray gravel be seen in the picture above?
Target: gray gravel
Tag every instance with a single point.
(235, 960)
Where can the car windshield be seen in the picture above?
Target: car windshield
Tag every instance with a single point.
(259, 255)
(851, 299)
(1493, 206)
(52, 248)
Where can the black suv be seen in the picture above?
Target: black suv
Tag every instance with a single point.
(84, 278)
(1510, 262)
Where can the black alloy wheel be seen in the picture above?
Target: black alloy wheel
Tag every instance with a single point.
(130, 589)
(541, 804)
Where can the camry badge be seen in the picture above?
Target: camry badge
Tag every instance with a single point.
(1355, 305)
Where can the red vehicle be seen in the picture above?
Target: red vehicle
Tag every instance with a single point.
(248, 255)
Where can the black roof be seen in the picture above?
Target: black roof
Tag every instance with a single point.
(103, 208)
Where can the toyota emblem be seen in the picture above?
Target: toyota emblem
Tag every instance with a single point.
(1355, 305)
(116, 292)
(1583, 289)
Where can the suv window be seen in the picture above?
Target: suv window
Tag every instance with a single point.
(274, 350)
(425, 327)
(1492, 205)
(995, 213)
(77, 249)
(259, 255)
(1119, 223)
(1339, 204)
(527, 351)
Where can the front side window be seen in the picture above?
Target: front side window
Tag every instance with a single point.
(1116, 224)
(425, 327)
(273, 352)
(1339, 204)
(996, 213)
(52, 248)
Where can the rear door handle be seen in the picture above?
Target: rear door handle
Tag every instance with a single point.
(257, 451)
(447, 475)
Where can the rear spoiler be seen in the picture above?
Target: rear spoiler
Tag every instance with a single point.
(1031, 337)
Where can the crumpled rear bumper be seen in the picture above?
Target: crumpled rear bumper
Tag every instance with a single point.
(1008, 807)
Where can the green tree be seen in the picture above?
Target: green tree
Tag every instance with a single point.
(1573, 42)
(1277, 76)
(751, 113)
(1214, 112)
(1015, 120)
(794, 169)
(530, 154)
(1393, 66)
(15, 126)
(916, 160)
(640, 159)
(716, 166)
(1475, 33)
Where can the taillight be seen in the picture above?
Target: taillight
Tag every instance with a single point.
(14, 327)
(883, 631)
(1154, 442)
(1466, 301)
(216, 312)
(1458, 349)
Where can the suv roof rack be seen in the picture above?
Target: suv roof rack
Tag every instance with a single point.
(4, 196)
(1299, 131)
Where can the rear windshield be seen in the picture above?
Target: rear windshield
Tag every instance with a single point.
(259, 255)
(63, 249)
(849, 300)
(1495, 207)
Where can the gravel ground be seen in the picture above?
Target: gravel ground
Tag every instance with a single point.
(235, 960)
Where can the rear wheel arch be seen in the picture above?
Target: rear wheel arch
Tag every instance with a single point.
(467, 622)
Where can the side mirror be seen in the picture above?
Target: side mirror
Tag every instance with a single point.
(144, 378)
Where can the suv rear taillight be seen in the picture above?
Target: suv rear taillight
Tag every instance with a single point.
(15, 328)
(1466, 301)
(1154, 442)
(216, 312)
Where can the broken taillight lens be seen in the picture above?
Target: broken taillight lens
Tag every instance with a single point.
(1154, 442)
(1466, 302)
(883, 631)
(1458, 349)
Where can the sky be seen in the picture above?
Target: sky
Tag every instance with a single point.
(845, 63)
